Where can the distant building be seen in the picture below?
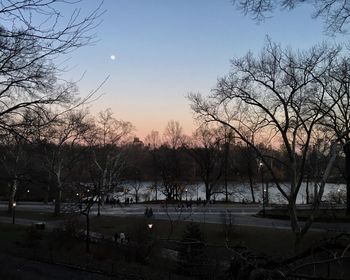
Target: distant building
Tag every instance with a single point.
(137, 142)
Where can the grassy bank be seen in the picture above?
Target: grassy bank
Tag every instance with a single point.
(276, 242)
(110, 258)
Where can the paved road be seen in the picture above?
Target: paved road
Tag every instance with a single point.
(216, 214)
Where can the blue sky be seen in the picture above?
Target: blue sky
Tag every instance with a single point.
(167, 48)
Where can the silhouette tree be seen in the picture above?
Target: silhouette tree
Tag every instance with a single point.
(280, 95)
(205, 150)
(192, 258)
(107, 153)
(153, 142)
(29, 53)
(338, 111)
(59, 149)
(335, 14)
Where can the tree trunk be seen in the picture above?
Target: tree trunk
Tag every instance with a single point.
(227, 150)
(48, 189)
(13, 190)
(347, 174)
(98, 201)
(297, 241)
(267, 194)
(87, 243)
(58, 196)
(307, 190)
(207, 191)
(58, 199)
(14, 186)
(251, 186)
(156, 189)
(294, 222)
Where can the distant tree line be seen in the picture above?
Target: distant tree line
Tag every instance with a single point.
(55, 159)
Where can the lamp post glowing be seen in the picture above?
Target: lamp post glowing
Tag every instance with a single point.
(150, 226)
(186, 190)
(13, 212)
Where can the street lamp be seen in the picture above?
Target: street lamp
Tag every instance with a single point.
(13, 212)
(339, 200)
(150, 226)
(186, 190)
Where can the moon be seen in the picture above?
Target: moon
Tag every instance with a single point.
(113, 57)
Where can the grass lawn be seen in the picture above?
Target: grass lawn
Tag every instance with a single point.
(60, 247)
(276, 242)
(10, 233)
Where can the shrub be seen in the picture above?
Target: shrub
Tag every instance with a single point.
(192, 259)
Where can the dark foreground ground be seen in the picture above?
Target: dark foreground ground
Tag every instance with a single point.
(16, 268)
(229, 251)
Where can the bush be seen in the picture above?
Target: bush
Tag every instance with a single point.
(338, 196)
(192, 259)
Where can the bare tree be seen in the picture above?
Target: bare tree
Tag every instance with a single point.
(169, 160)
(12, 157)
(33, 36)
(136, 186)
(338, 115)
(281, 95)
(335, 14)
(153, 142)
(205, 151)
(227, 142)
(83, 199)
(62, 136)
(21, 132)
(107, 154)
(247, 167)
(173, 134)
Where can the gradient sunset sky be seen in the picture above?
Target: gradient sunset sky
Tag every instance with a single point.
(165, 49)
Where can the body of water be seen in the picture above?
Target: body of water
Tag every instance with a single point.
(238, 192)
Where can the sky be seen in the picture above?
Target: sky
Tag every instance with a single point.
(155, 52)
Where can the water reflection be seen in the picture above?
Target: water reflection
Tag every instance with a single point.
(238, 192)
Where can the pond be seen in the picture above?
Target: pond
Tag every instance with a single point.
(237, 192)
